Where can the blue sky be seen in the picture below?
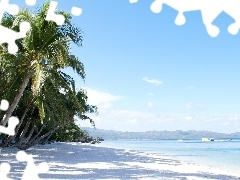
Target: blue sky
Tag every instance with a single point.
(146, 73)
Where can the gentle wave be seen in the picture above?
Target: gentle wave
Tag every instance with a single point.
(221, 153)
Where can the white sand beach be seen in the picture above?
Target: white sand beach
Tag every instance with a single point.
(82, 161)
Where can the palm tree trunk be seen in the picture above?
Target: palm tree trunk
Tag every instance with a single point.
(21, 121)
(16, 99)
(29, 142)
(29, 135)
(45, 135)
(11, 138)
(46, 140)
(24, 131)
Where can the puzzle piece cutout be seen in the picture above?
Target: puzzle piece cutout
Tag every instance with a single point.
(58, 18)
(210, 10)
(6, 7)
(4, 105)
(30, 2)
(7, 35)
(51, 16)
(31, 170)
(76, 11)
(4, 170)
(10, 130)
(133, 1)
(12, 122)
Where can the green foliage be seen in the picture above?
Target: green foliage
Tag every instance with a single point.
(69, 133)
(41, 95)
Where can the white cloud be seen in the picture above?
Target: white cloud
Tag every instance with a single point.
(234, 118)
(199, 106)
(96, 97)
(212, 119)
(150, 104)
(129, 114)
(129, 120)
(188, 106)
(106, 105)
(188, 118)
(223, 119)
(224, 123)
(152, 81)
(194, 106)
(133, 121)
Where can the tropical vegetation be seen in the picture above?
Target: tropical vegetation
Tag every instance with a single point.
(40, 94)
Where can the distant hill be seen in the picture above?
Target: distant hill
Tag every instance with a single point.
(158, 135)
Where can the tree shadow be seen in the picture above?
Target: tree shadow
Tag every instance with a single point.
(73, 161)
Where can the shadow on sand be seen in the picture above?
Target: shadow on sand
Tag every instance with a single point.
(76, 161)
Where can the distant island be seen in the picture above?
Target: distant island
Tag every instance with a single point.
(158, 135)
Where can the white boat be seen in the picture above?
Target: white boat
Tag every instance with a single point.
(207, 139)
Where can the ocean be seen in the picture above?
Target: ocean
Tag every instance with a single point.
(222, 154)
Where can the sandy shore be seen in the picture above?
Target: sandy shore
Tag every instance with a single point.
(79, 161)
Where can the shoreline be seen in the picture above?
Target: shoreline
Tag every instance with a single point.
(183, 161)
(85, 161)
(216, 158)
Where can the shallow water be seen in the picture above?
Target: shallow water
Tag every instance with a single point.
(221, 154)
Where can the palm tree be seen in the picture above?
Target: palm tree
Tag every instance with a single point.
(60, 107)
(53, 107)
(34, 77)
(44, 52)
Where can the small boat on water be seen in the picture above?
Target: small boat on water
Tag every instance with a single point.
(180, 140)
(207, 139)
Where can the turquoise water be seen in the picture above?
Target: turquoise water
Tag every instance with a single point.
(220, 153)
